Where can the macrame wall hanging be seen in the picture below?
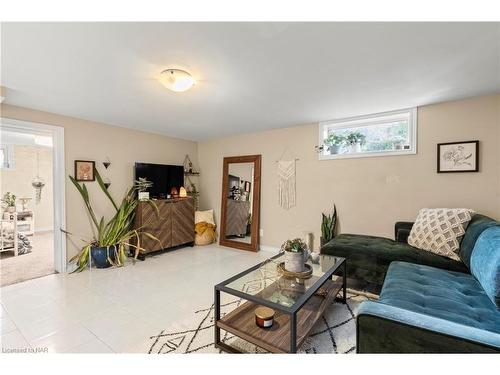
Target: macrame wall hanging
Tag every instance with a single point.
(286, 182)
(38, 183)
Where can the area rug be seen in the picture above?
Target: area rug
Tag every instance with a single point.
(335, 332)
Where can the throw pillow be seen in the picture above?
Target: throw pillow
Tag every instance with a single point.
(206, 216)
(440, 230)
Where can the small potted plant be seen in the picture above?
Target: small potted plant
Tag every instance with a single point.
(334, 143)
(296, 254)
(9, 201)
(355, 140)
(328, 226)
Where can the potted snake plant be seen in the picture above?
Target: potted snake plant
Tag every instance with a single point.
(328, 227)
(113, 237)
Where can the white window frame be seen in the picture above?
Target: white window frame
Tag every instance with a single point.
(363, 121)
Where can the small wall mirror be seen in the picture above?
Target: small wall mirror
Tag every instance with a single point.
(240, 208)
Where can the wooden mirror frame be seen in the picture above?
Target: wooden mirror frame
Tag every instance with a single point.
(254, 243)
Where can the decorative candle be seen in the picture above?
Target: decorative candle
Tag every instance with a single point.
(264, 317)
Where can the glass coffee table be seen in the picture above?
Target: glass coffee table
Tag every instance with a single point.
(298, 303)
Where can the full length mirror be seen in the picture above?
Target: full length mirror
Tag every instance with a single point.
(240, 207)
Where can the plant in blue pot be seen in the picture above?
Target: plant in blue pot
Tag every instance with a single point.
(114, 237)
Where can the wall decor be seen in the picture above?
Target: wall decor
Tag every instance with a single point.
(453, 157)
(286, 183)
(38, 182)
(84, 170)
(106, 163)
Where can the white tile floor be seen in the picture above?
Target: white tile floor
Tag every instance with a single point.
(115, 310)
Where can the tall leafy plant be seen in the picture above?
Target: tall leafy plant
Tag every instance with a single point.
(329, 225)
(117, 234)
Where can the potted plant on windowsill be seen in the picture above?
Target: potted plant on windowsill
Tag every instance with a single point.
(354, 141)
(334, 143)
(9, 201)
(296, 254)
(112, 238)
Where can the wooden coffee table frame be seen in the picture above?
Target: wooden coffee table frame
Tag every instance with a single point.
(292, 324)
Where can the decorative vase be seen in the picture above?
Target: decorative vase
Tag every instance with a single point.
(100, 255)
(11, 209)
(294, 262)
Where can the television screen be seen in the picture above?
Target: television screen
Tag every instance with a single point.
(163, 177)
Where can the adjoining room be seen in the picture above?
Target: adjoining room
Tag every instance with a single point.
(26, 171)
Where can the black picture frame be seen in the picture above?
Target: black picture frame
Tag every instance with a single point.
(474, 156)
(78, 176)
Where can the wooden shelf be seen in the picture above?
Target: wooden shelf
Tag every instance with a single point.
(191, 173)
(241, 321)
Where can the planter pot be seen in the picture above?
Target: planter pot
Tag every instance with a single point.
(294, 262)
(11, 209)
(322, 242)
(100, 256)
(355, 148)
(334, 149)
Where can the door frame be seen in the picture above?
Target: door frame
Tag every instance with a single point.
(58, 180)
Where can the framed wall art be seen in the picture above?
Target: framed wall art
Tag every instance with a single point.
(454, 157)
(84, 170)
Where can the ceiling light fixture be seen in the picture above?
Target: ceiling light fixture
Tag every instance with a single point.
(177, 80)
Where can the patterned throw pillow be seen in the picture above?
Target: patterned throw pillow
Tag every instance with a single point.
(440, 230)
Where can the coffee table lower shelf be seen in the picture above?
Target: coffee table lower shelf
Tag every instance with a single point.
(241, 322)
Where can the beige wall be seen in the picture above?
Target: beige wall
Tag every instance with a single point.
(18, 182)
(94, 141)
(370, 193)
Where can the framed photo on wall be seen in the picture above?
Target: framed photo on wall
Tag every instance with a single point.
(456, 157)
(84, 170)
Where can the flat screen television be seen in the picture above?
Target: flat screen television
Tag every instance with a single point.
(164, 178)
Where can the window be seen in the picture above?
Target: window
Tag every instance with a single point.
(382, 134)
(6, 157)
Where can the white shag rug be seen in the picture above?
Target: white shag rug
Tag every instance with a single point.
(335, 332)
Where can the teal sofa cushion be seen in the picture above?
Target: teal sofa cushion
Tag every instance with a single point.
(485, 262)
(452, 296)
(476, 226)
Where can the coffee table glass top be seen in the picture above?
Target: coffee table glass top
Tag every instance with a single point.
(267, 283)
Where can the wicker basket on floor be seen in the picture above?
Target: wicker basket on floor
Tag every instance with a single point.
(203, 239)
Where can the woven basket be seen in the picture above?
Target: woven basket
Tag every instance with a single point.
(203, 239)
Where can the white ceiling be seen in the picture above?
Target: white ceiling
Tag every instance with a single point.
(251, 76)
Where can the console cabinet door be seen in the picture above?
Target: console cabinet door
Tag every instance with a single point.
(157, 223)
(182, 222)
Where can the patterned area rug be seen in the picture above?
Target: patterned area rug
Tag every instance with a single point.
(335, 332)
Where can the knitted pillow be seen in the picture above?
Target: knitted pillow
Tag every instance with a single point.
(440, 230)
(206, 216)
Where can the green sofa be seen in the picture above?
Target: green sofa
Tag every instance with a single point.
(369, 257)
(428, 303)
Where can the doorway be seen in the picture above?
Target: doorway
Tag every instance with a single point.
(32, 191)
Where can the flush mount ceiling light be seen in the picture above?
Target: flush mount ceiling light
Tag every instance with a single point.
(177, 80)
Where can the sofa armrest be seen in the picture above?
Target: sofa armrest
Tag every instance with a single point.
(402, 230)
(383, 328)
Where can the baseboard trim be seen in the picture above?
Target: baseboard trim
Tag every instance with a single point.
(269, 249)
